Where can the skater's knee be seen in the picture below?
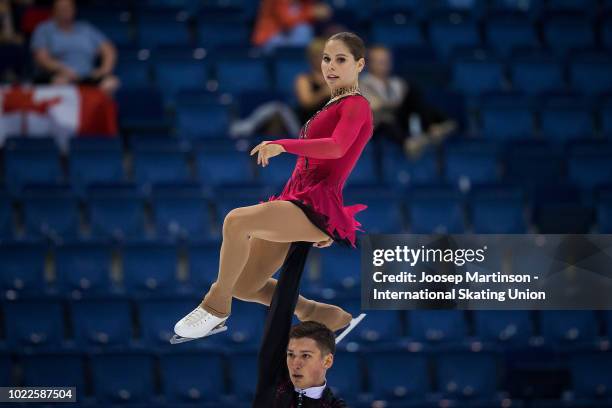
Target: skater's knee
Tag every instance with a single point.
(234, 221)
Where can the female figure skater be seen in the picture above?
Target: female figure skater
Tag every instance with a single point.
(257, 238)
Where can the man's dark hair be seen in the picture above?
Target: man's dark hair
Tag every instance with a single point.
(324, 337)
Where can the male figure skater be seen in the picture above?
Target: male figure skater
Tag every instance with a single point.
(293, 362)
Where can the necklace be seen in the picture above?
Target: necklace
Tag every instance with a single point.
(340, 92)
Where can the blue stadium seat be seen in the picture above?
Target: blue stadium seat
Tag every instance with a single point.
(506, 32)
(437, 326)
(604, 218)
(202, 120)
(383, 369)
(568, 326)
(340, 268)
(203, 262)
(176, 70)
(564, 218)
(50, 212)
(116, 211)
(158, 316)
(606, 118)
(101, 322)
(591, 375)
(224, 167)
(286, 72)
(589, 74)
(237, 74)
(220, 34)
(31, 161)
(182, 379)
(247, 322)
(150, 267)
(397, 170)
(141, 108)
(83, 267)
(498, 211)
(435, 210)
(506, 117)
(22, 267)
(533, 163)
(6, 369)
(380, 326)
(504, 327)
(564, 33)
(345, 378)
(384, 212)
(155, 164)
(162, 28)
(364, 171)
(396, 31)
(134, 68)
(279, 172)
(469, 163)
(34, 323)
(39, 369)
(477, 74)
(536, 74)
(576, 6)
(95, 160)
(467, 375)
(606, 31)
(529, 8)
(122, 377)
(563, 120)
(391, 6)
(243, 374)
(181, 212)
(448, 32)
(589, 165)
(6, 215)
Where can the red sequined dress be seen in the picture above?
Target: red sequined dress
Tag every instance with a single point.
(328, 148)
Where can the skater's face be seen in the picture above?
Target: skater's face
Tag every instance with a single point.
(307, 365)
(339, 66)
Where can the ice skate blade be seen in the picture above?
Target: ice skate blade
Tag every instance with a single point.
(176, 339)
(350, 327)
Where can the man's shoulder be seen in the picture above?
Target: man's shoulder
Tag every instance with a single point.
(329, 400)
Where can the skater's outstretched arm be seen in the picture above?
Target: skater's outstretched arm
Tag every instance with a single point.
(272, 362)
(354, 112)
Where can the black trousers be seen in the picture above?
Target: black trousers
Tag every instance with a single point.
(272, 363)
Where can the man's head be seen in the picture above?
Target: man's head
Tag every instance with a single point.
(380, 61)
(310, 353)
(64, 11)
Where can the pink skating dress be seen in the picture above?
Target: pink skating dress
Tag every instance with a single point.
(328, 148)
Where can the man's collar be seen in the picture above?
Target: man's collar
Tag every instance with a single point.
(312, 392)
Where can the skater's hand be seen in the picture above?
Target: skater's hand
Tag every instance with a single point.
(323, 244)
(265, 151)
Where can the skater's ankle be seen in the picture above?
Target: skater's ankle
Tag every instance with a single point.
(213, 311)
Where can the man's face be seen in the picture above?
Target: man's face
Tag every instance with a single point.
(307, 366)
(380, 62)
(64, 10)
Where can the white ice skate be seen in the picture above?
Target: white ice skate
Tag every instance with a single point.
(196, 325)
(354, 322)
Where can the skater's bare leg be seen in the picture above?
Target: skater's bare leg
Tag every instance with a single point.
(276, 221)
(256, 285)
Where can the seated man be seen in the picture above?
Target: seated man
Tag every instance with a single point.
(66, 50)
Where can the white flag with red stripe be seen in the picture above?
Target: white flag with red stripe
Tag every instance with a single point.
(61, 111)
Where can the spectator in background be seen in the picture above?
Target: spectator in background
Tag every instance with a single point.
(310, 88)
(400, 112)
(7, 27)
(287, 22)
(66, 50)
